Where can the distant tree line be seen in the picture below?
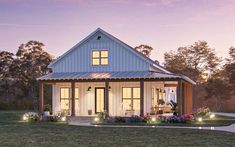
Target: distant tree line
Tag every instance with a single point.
(18, 73)
(215, 76)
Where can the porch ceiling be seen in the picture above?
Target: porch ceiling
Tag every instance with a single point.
(112, 76)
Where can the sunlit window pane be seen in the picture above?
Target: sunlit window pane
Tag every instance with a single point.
(95, 62)
(126, 93)
(127, 104)
(95, 54)
(64, 93)
(104, 53)
(136, 92)
(64, 104)
(76, 93)
(136, 104)
(104, 61)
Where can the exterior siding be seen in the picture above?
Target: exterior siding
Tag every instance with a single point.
(120, 58)
(87, 99)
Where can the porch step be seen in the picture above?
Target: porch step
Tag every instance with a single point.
(80, 119)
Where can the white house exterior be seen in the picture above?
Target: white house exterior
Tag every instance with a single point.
(101, 73)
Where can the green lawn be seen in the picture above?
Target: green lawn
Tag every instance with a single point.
(16, 133)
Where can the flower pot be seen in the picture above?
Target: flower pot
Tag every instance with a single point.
(89, 112)
(46, 113)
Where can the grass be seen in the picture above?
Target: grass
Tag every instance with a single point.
(17, 133)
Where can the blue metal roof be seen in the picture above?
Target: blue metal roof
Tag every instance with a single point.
(112, 76)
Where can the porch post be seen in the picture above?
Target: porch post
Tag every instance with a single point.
(141, 98)
(179, 96)
(106, 97)
(73, 98)
(41, 97)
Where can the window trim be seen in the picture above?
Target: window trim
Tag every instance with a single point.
(99, 58)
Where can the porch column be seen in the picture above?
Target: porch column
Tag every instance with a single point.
(179, 97)
(106, 97)
(41, 97)
(73, 98)
(141, 98)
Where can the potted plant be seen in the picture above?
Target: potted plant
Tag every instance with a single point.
(89, 112)
(47, 110)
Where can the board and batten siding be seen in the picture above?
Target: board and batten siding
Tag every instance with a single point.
(87, 98)
(120, 58)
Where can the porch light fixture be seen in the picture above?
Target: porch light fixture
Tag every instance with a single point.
(212, 116)
(96, 119)
(109, 88)
(89, 88)
(25, 118)
(63, 118)
(172, 91)
(153, 119)
(199, 119)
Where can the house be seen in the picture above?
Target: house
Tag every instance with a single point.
(102, 73)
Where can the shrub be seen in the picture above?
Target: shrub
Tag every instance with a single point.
(47, 107)
(146, 119)
(186, 118)
(31, 117)
(103, 117)
(173, 119)
(202, 112)
(119, 119)
(135, 119)
(53, 118)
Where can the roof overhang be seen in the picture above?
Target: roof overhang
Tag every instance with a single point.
(114, 76)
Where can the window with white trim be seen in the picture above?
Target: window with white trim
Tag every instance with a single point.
(100, 57)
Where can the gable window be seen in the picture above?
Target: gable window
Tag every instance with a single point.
(100, 57)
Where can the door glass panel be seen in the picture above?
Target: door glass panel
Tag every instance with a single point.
(99, 100)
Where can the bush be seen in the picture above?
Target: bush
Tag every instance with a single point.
(119, 119)
(187, 118)
(146, 119)
(202, 112)
(173, 119)
(103, 117)
(54, 118)
(135, 119)
(31, 117)
(47, 107)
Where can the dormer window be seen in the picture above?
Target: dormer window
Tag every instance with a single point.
(100, 57)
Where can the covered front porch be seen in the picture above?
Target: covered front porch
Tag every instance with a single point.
(119, 97)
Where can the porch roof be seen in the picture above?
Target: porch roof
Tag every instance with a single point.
(124, 75)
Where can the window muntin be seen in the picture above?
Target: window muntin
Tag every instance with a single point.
(100, 57)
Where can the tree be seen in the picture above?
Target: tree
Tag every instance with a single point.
(194, 61)
(144, 49)
(32, 63)
(229, 68)
(6, 60)
(218, 90)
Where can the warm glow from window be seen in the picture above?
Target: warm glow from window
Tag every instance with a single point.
(100, 57)
(65, 98)
(131, 98)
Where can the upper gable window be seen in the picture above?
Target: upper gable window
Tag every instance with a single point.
(100, 57)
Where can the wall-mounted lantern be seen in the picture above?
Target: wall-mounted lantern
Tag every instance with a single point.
(89, 88)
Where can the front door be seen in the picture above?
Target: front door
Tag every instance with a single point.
(99, 99)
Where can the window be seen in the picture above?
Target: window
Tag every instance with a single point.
(131, 98)
(65, 99)
(100, 57)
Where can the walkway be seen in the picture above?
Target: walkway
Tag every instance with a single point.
(225, 114)
(230, 128)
